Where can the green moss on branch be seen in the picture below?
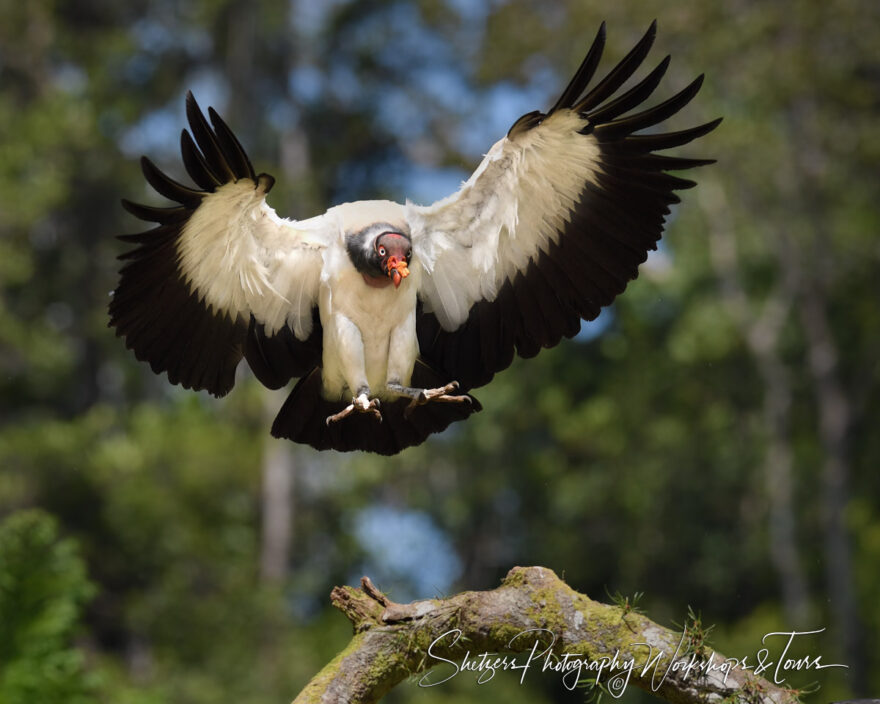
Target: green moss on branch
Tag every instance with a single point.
(393, 641)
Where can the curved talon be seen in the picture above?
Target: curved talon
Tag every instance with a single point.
(440, 394)
(359, 404)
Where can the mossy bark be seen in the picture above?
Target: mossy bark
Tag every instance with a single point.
(532, 611)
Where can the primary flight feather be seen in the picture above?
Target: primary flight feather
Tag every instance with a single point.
(388, 313)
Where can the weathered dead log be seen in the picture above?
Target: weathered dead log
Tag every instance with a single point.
(561, 632)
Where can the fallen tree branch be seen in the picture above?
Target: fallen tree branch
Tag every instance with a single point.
(561, 632)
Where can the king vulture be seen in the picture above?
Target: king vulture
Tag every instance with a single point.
(389, 314)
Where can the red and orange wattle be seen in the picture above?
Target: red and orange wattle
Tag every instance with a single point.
(397, 269)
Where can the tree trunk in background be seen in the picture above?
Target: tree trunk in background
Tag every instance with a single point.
(762, 337)
(835, 416)
(277, 505)
(239, 63)
(811, 266)
(277, 493)
(780, 488)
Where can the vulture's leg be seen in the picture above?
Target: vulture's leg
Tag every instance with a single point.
(359, 404)
(345, 365)
(422, 396)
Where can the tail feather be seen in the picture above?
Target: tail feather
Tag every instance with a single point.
(302, 418)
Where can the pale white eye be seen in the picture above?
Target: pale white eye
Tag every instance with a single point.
(381, 251)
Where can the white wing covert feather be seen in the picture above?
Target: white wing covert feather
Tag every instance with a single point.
(516, 201)
(554, 222)
(245, 260)
(550, 228)
(221, 276)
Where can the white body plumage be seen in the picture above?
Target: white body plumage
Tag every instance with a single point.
(549, 228)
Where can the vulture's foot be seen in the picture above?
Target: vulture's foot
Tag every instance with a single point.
(359, 404)
(422, 396)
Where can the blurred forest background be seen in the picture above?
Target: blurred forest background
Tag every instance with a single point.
(706, 441)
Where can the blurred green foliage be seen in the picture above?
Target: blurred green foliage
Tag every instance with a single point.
(43, 586)
(643, 456)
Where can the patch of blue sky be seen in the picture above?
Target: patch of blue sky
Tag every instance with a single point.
(156, 37)
(474, 11)
(153, 134)
(152, 35)
(281, 114)
(591, 329)
(660, 260)
(500, 107)
(401, 113)
(444, 85)
(157, 133)
(310, 17)
(406, 552)
(425, 185)
(412, 38)
(398, 114)
(70, 78)
(306, 83)
(343, 85)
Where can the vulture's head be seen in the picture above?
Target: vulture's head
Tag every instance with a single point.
(381, 253)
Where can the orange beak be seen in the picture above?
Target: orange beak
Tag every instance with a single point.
(397, 270)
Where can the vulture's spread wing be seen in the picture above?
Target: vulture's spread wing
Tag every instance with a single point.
(221, 276)
(552, 225)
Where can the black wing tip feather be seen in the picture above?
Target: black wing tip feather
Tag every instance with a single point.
(265, 182)
(149, 213)
(633, 97)
(167, 326)
(649, 37)
(232, 149)
(618, 75)
(212, 156)
(645, 143)
(166, 186)
(127, 204)
(603, 115)
(706, 128)
(625, 126)
(214, 145)
(208, 142)
(619, 217)
(154, 309)
(278, 358)
(584, 74)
